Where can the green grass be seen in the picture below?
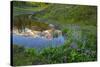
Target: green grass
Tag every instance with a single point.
(30, 9)
(70, 14)
(27, 7)
(86, 49)
(77, 22)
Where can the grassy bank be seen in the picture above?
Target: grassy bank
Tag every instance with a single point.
(80, 46)
(77, 22)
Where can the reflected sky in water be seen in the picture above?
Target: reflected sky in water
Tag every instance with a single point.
(37, 42)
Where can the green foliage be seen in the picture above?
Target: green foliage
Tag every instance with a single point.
(86, 42)
(78, 25)
(29, 4)
(65, 14)
(84, 52)
(54, 55)
(23, 21)
(22, 7)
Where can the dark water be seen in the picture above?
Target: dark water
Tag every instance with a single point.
(37, 42)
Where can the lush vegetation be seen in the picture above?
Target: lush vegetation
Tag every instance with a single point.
(71, 51)
(23, 21)
(77, 22)
(80, 46)
(67, 14)
(27, 7)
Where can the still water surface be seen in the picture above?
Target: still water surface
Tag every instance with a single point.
(37, 42)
